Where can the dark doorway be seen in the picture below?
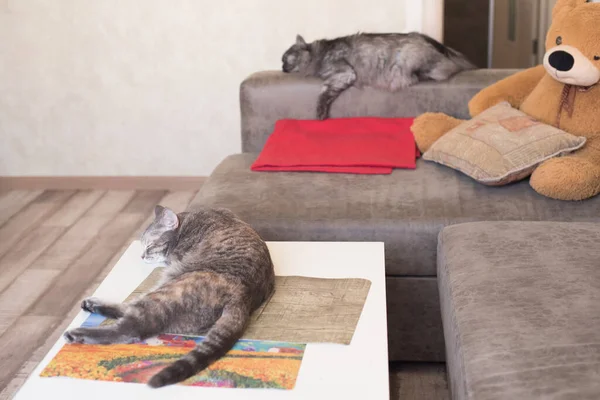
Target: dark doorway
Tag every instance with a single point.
(466, 26)
(498, 33)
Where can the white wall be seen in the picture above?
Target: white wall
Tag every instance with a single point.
(425, 16)
(146, 87)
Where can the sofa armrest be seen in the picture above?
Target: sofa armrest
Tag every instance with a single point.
(268, 96)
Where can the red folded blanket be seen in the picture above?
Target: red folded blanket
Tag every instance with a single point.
(349, 145)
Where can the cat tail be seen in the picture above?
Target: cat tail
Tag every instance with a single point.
(459, 59)
(456, 57)
(219, 339)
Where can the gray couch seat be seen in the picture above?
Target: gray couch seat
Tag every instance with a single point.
(521, 309)
(406, 209)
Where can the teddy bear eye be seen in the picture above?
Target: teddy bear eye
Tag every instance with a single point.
(559, 40)
(596, 58)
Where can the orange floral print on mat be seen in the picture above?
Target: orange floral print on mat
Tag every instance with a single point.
(250, 364)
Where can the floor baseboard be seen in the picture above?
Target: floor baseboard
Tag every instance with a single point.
(102, 182)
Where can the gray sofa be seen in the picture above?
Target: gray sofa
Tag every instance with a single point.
(407, 209)
(521, 309)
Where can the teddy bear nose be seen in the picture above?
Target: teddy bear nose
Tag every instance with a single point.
(561, 60)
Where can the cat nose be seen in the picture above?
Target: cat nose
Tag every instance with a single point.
(561, 61)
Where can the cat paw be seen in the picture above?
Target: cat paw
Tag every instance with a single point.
(74, 336)
(322, 113)
(91, 304)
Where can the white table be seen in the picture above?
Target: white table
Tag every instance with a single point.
(328, 371)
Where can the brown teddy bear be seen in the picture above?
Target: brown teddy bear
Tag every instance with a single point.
(563, 92)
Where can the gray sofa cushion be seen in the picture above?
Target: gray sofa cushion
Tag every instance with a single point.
(266, 97)
(406, 209)
(521, 310)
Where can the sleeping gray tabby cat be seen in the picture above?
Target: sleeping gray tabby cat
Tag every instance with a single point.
(389, 61)
(218, 272)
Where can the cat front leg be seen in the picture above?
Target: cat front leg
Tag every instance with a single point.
(104, 308)
(339, 77)
(109, 334)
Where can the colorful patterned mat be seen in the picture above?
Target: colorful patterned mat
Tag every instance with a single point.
(250, 364)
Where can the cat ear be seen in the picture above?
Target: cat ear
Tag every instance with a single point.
(166, 217)
(300, 40)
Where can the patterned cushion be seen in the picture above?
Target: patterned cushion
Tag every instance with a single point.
(501, 145)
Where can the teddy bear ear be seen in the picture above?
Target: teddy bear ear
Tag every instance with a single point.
(565, 5)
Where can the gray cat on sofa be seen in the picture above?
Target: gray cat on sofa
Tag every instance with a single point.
(389, 61)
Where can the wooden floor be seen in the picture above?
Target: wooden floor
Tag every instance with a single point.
(55, 249)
